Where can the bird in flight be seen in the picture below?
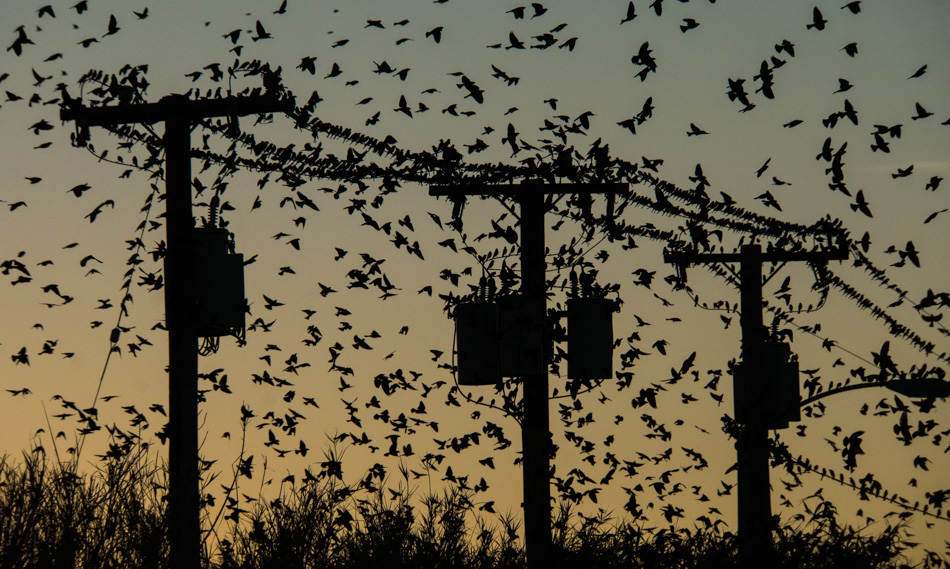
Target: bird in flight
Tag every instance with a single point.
(631, 14)
(261, 32)
(113, 26)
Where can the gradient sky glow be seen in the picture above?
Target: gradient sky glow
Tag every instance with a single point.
(894, 39)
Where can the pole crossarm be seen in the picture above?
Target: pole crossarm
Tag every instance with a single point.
(514, 190)
(176, 107)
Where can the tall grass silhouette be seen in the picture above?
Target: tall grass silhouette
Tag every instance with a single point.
(53, 515)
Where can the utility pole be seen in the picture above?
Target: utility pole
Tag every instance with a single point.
(752, 444)
(179, 113)
(535, 435)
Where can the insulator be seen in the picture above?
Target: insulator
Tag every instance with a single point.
(213, 211)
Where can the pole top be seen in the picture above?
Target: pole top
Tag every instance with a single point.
(176, 106)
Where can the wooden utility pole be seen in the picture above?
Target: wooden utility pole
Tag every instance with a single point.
(752, 444)
(535, 437)
(179, 113)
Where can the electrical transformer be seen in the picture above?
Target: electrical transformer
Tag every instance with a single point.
(590, 338)
(780, 389)
(477, 343)
(520, 336)
(219, 283)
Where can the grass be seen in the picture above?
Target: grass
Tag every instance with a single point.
(52, 516)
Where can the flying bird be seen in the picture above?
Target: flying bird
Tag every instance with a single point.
(261, 32)
(861, 204)
(79, 190)
(818, 21)
(919, 72)
(92, 215)
(335, 71)
(688, 24)
(922, 113)
(403, 106)
(843, 85)
(113, 26)
(695, 130)
(436, 34)
(903, 172)
(854, 7)
(631, 14)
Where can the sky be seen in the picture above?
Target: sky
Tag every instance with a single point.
(758, 155)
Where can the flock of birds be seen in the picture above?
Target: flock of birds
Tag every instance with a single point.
(549, 156)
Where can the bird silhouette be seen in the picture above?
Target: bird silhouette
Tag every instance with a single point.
(922, 113)
(630, 15)
(695, 130)
(919, 72)
(436, 34)
(260, 32)
(818, 21)
(113, 27)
